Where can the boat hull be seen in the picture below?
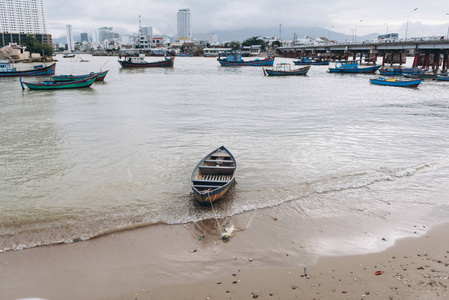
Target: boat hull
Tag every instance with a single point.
(50, 70)
(442, 78)
(399, 83)
(301, 71)
(168, 63)
(62, 78)
(255, 63)
(355, 70)
(210, 181)
(52, 85)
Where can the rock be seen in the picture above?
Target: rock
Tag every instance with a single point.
(254, 295)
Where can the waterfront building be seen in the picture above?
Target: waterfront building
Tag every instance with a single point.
(183, 23)
(94, 37)
(22, 16)
(106, 33)
(84, 37)
(147, 31)
(69, 36)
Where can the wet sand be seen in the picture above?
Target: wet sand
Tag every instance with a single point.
(190, 262)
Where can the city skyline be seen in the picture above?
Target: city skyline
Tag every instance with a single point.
(339, 16)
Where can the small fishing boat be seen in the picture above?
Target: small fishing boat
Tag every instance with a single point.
(400, 71)
(421, 75)
(68, 55)
(213, 176)
(284, 69)
(305, 61)
(234, 59)
(7, 70)
(352, 66)
(60, 78)
(53, 85)
(396, 82)
(140, 62)
(442, 78)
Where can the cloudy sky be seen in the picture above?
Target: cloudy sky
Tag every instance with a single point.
(431, 18)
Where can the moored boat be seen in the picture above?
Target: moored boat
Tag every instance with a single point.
(99, 76)
(140, 62)
(284, 69)
(53, 85)
(213, 176)
(396, 82)
(68, 55)
(305, 61)
(421, 75)
(6, 70)
(234, 59)
(400, 71)
(352, 66)
(442, 78)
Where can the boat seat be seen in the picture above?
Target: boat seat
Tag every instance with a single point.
(199, 186)
(216, 170)
(208, 182)
(219, 161)
(220, 154)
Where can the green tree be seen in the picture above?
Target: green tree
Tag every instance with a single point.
(34, 46)
(255, 41)
(234, 45)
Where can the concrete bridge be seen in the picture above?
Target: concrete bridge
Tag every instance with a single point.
(426, 52)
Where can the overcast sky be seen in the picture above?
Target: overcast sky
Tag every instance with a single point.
(431, 18)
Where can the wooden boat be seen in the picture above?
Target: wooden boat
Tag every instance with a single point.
(7, 70)
(442, 78)
(284, 69)
(213, 176)
(234, 59)
(53, 85)
(421, 75)
(305, 61)
(140, 62)
(400, 71)
(60, 78)
(68, 55)
(396, 82)
(352, 66)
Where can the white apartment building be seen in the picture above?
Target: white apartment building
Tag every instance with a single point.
(184, 24)
(22, 16)
(70, 40)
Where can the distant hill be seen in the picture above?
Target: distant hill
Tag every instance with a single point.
(287, 34)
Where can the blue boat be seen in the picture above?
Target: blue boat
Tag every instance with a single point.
(442, 78)
(396, 82)
(305, 61)
(400, 71)
(421, 75)
(351, 66)
(213, 176)
(234, 59)
(6, 70)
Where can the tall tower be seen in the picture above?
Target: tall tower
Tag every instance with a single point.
(70, 41)
(22, 16)
(184, 24)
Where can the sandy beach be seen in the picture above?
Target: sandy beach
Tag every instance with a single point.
(191, 262)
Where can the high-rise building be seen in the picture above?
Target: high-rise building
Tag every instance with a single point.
(94, 37)
(84, 37)
(147, 31)
(184, 24)
(70, 41)
(22, 16)
(105, 33)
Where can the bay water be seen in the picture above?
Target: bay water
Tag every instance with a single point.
(327, 148)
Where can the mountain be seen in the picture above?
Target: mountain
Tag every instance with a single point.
(286, 34)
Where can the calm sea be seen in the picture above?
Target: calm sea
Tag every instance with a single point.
(76, 164)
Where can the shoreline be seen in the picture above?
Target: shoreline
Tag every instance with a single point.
(265, 254)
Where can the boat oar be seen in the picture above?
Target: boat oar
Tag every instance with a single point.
(264, 73)
(21, 83)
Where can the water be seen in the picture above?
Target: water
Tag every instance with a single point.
(327, 148)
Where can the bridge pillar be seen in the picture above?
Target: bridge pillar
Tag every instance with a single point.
(400, 58)
(383, 59)
(445, 62)
(415, 61)
(436, 61)
(375, 59)
(426, 60)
